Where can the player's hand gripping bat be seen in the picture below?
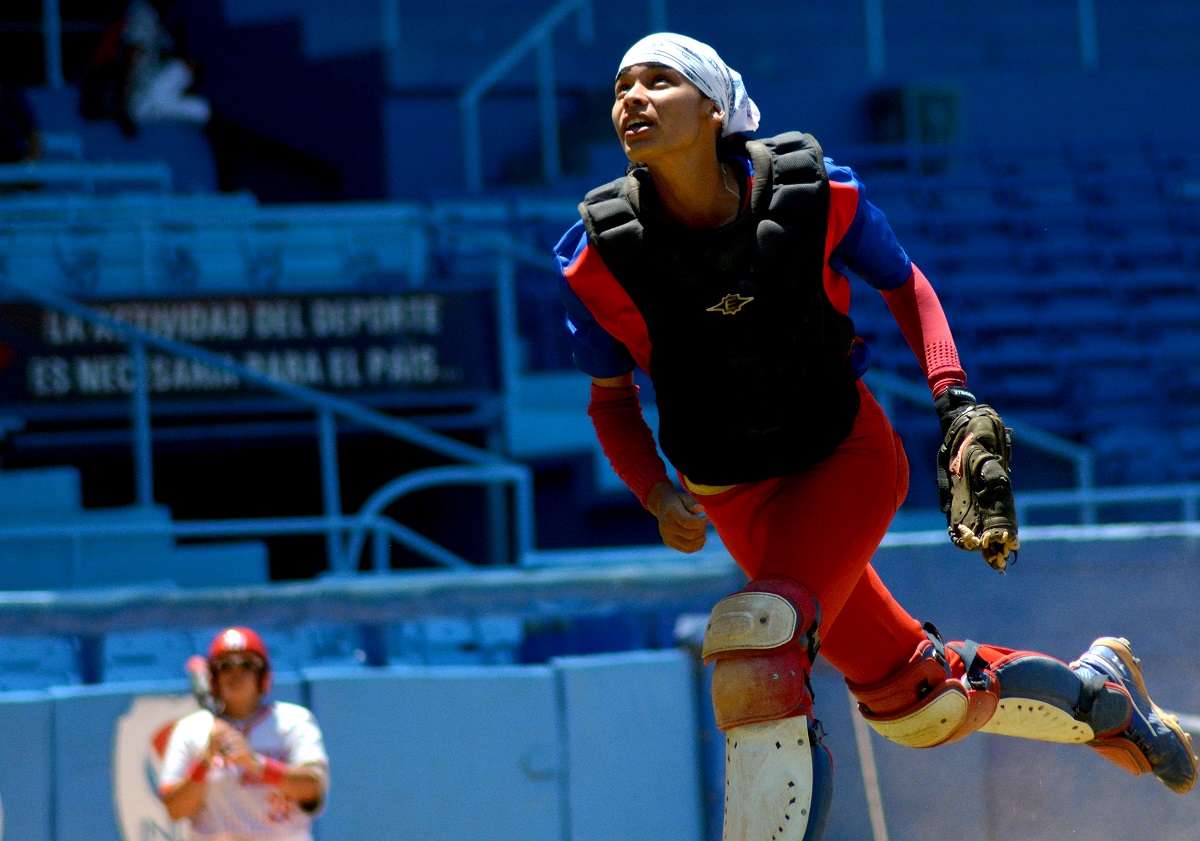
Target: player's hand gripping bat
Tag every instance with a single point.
(198, 674)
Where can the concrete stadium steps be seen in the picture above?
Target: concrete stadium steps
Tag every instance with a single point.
(39, 494)
(386, 74)
(182, 147)
(270, 93)
(328, 29)
(51, 497)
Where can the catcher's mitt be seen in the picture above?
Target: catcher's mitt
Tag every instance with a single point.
(974, 486)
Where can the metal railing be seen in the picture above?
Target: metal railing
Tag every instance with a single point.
(537, 39)
(888, 387)
(1087, 499)
(483, 467)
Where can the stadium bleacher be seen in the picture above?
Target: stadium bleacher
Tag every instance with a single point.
(1067, 258)
(38, 662)
(126, 545)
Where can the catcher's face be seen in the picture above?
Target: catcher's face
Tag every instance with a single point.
(658, 113)
(238, 682)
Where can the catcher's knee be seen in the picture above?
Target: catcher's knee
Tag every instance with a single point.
(763, 640)
(939, 696)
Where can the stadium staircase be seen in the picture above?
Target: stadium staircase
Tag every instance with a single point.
(112, 555)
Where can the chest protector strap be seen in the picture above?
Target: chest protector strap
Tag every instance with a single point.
(789, 170)
(749, 359)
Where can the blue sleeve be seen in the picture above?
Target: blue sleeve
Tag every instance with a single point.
(869, 247)
(594, 349)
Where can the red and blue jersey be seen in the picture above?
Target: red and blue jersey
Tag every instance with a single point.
(609, 338)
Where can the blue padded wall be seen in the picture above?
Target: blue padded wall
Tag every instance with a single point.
(1056, 599)
(26, 764)
(632, 735)
(440, 753)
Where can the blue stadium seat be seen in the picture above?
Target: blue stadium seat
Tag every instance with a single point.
(328, 644)
(38, 662)
(448, 641)
(588, 635)
(300, 646)
(404, 643)
(1082, 313)
(145, 655)
(440, 641)
(500, 638)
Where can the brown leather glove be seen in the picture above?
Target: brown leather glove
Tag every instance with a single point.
(974, 487)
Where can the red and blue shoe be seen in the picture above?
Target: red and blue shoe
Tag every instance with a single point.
(1152, 742)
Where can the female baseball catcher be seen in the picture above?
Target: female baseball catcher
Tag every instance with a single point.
(718, 265)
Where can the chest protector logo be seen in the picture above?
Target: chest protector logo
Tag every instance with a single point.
(731, 304)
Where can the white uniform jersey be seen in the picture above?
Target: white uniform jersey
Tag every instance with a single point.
(237, 809)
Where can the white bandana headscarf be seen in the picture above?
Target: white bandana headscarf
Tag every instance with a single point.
(700, 65)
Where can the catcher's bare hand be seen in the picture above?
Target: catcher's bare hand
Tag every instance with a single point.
(976, 491)
(682, 522)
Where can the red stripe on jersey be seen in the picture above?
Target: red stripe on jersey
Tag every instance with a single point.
(609, 303)
(843, 204)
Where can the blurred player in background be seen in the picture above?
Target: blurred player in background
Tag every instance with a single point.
(248, 768)
(718, 266)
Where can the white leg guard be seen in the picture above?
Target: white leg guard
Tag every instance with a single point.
(1045, 699)
(776, 782)
(763, 641)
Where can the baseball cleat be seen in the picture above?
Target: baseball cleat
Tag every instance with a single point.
(1153, 741)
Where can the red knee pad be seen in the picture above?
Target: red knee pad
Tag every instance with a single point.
(935, 698)
(763, 640)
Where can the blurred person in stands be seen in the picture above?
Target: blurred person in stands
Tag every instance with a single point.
(159, 73)
(253, 770)
(718, 266)
(19, 138)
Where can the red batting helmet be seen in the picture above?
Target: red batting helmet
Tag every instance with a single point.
(241, 639)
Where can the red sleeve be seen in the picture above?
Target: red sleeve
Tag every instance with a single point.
(626, 439)
(916, 308)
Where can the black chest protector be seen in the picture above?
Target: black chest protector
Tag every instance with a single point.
(749, 359)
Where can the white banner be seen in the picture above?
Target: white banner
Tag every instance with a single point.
(141, 737)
